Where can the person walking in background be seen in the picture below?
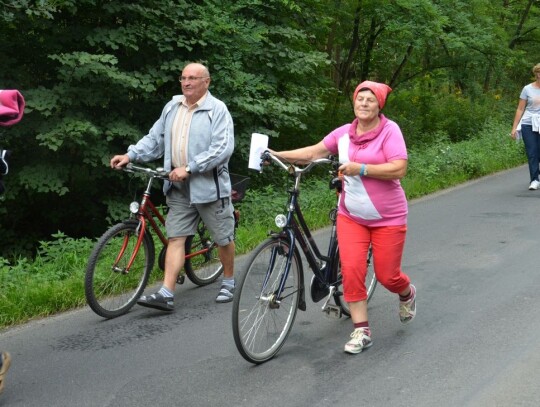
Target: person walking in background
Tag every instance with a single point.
(12, 106)
(527, 125)
(372, 208)
(5, 362)
(195, 137)
(11, 112)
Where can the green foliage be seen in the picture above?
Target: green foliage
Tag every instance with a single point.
(55, 260)
(40, 9)
(427, 118)
(444, 164)
(50, 283)
(95, 76)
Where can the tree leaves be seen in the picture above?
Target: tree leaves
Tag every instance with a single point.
(95, 76)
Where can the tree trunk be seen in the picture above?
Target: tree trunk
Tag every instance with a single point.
(519, 28)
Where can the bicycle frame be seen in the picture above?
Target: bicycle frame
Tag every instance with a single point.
(147, 213)
(146, 210)
(297, 230)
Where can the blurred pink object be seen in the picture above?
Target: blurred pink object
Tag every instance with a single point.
(11, 107)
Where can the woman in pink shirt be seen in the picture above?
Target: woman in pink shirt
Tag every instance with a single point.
(372, 208)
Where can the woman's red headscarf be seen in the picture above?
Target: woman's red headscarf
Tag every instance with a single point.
(380, 90)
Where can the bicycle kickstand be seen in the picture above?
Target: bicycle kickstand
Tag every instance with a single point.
(331, 310)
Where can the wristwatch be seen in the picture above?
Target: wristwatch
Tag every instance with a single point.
(188, 170)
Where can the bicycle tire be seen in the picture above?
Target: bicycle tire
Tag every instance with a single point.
(205, 268)
(109, 291)
(261, 322)
(371, 284)
(161, 258)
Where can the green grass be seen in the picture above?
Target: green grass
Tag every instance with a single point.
(54, 280)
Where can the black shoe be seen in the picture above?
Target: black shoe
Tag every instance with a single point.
(157, 301)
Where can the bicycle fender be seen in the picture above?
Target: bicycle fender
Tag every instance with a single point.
(284, 234)
(276, 235)
(302, 300)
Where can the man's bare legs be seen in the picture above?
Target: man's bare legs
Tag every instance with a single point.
(226, 255)
(174, 261)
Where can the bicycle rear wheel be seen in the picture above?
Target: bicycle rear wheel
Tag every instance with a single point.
(371, 284)
(263, 318)
(110, 289)
(204, 268)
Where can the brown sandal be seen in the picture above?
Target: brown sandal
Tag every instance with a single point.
(6, 361)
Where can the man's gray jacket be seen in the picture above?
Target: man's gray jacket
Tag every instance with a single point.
(210, 146)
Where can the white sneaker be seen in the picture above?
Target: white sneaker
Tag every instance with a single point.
(407, 309)
(359, 341)
(534, 185)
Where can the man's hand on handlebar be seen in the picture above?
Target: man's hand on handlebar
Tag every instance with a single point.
(179, 174)
(119, 161)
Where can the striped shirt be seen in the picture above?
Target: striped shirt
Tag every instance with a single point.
(180, 132)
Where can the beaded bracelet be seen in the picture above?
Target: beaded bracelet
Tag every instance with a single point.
(362, 169)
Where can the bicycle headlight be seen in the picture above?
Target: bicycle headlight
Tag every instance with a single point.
(134, 207)
(281, 220)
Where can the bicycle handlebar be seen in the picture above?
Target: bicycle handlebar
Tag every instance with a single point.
(157, 173)
(291, 168)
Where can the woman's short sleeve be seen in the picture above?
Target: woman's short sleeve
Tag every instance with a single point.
(331, 140)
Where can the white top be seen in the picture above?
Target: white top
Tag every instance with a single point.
(531, 94)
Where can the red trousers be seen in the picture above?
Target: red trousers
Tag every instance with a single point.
(387, 243)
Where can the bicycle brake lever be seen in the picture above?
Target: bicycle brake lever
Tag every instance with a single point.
(160, 171)
(265, 159)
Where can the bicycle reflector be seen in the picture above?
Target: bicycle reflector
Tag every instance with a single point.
(281, 220)
(134, 207)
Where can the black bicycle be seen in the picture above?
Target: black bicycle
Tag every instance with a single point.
(271, 289)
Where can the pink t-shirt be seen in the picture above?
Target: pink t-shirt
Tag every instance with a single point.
(370, 201)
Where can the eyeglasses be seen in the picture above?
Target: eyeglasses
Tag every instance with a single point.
(190, 78)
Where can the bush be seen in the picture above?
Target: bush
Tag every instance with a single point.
(444, 164)
(426, 119)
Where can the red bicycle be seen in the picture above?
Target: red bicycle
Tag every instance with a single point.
(122, 259)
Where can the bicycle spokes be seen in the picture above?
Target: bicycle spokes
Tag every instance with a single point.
(267, 301)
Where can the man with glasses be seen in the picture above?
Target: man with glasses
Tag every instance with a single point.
(195, 137)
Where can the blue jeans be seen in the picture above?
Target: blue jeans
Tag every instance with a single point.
(531, 139)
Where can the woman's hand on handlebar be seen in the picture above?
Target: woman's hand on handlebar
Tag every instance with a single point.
(119, 161)
(265, 158)
(350, 168)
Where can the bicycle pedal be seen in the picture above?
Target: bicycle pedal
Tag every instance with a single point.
(181, 279)
(332, 311)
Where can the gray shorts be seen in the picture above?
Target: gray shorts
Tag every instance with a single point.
(182, 218)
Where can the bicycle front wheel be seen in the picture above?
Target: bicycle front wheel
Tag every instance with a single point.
(262, 315)
(203, 268)
(110, 288)
(371, 283)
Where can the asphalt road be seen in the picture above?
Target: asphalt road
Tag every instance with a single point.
(473, 255)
